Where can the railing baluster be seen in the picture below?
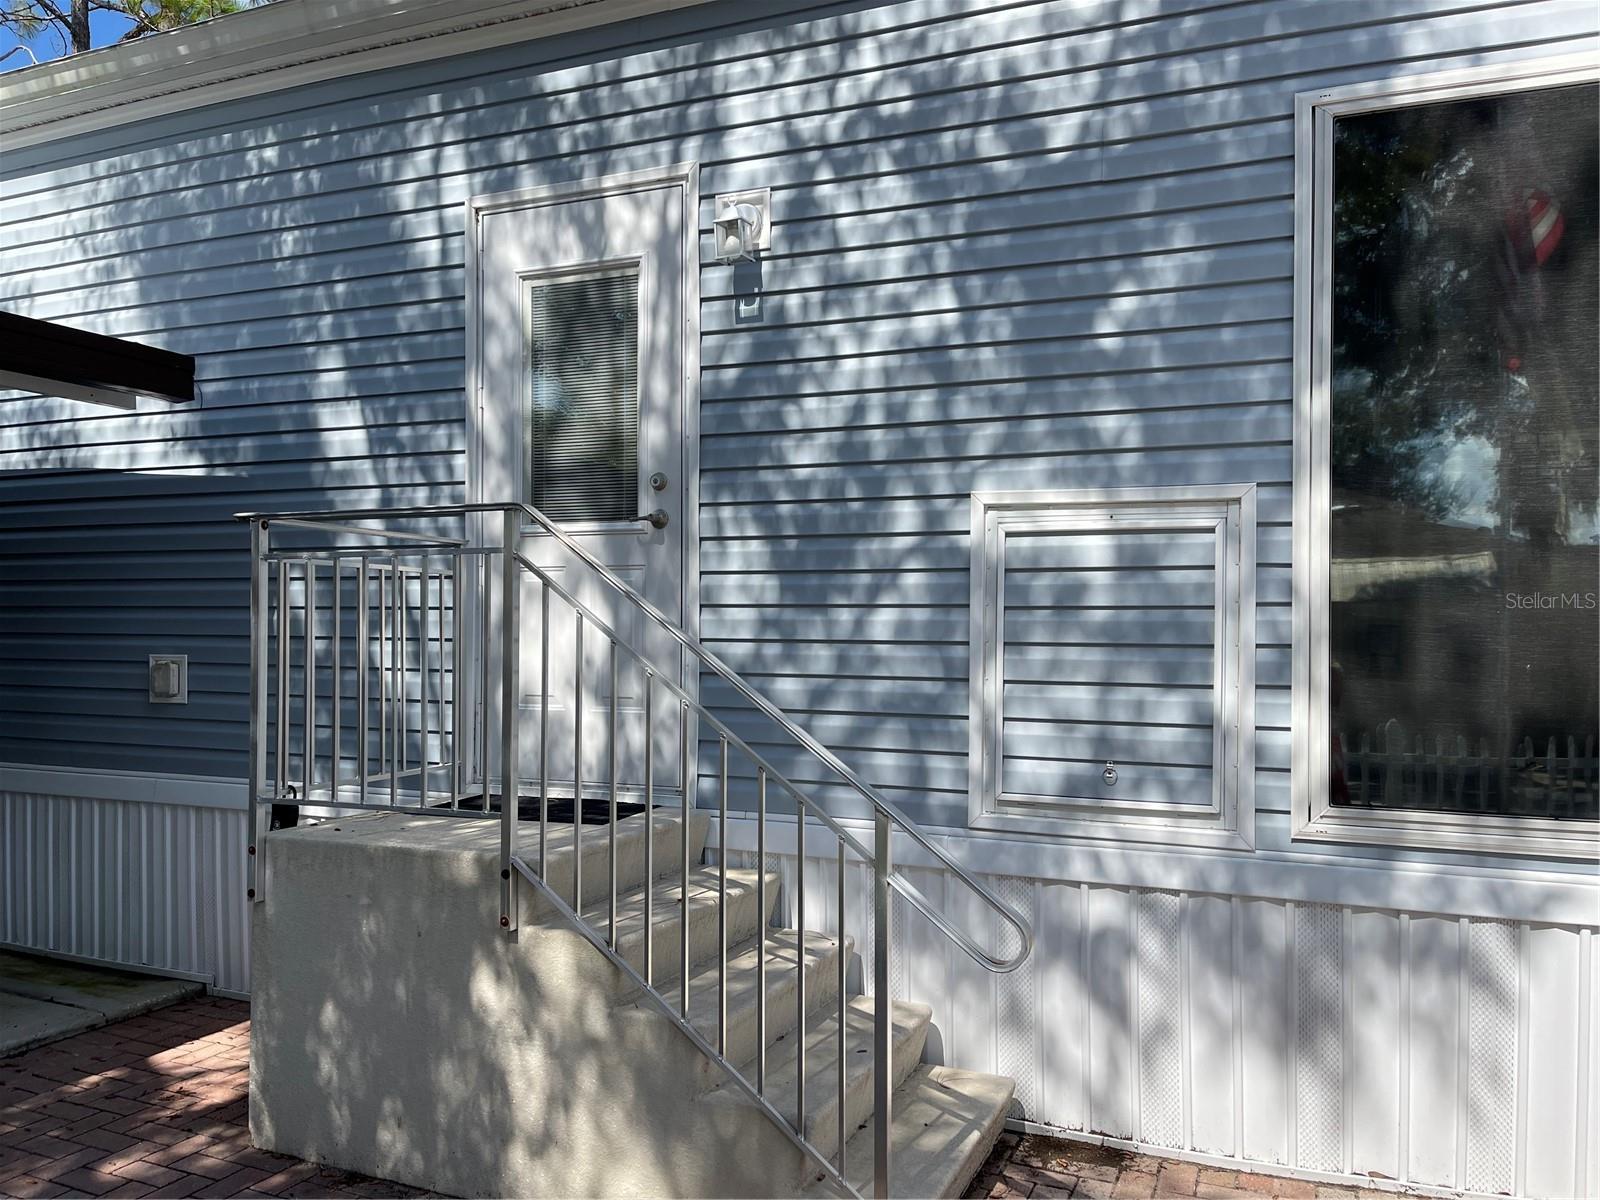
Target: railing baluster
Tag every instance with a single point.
(439, 693)
(510, 605)
(425, 666)
(722, 901)
(649, 829)
(336, 664)
(761, 932)
(683, 894)
(436, 731)
(577, 769)
(611, 743)
(882, 1034)
(843, 1030)
(402, 624)
(397, 693)
(282, 699)
(363, 700)
(383, 671)
(544, 729)
(308, 760)
(800, 965)
(457, 634)
(485, 662)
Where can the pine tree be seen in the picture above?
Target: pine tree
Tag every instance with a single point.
(68, 20)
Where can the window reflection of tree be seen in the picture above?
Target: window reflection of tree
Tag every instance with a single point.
(1465, 456)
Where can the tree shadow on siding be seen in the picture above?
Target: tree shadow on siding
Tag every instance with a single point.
(1009, 268)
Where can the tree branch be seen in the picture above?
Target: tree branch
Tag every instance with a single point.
(134, 11)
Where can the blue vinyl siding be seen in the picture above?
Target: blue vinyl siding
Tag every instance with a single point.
(1034, 245)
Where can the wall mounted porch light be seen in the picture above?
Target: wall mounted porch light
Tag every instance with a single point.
(743, 225)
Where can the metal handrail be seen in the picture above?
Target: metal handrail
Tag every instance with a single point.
(710, 660)
(392, 661)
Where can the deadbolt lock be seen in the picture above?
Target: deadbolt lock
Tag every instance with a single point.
(658, 482)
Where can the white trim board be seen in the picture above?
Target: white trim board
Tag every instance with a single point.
(284, 45)
(1410, 887)
(1314, 818)
(187, 791)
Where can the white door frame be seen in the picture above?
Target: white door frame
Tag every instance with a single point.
(685, 176)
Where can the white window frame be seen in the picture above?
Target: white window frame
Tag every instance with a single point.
(1227, 820)
(1314, 817)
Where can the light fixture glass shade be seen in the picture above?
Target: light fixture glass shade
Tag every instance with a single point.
(737, 232)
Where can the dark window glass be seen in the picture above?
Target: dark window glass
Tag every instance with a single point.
(1464, 531)
(581, 421)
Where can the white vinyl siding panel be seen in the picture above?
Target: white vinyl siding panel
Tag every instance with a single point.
(150, 884)
(1328, 1038)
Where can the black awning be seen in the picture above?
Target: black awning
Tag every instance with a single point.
(55, 360)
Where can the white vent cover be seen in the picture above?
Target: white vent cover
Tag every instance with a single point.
(1113, 658)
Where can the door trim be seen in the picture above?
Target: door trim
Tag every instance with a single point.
(685, 176)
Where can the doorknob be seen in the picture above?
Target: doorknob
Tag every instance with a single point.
(658, 519)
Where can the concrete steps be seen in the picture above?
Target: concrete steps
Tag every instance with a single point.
(744, 918)
(667, 855)
(945, 1123)
(822, 1067)
(822, 990)
(945, 1120)
(473, 1063)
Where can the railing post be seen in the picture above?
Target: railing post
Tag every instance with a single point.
(882, 1007)
(259, 813)
(510, 597)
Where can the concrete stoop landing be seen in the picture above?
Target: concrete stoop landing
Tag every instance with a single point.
(397, 1032)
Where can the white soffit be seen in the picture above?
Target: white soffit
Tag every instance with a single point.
(281, 45)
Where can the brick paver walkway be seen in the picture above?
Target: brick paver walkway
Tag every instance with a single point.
(155, 1106)
(152, 1106)
(1041, 1167)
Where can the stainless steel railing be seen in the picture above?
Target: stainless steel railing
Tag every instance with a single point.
(355, 668)
(442, 761)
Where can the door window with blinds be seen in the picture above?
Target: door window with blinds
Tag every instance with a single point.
(1455, 417)
(1113, 656)
(581, 409)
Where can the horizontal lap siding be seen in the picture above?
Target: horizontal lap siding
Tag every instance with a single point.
(1133, 601)
(1018, 246)
(1087, 285)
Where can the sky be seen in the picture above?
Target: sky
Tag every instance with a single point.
(105, 27)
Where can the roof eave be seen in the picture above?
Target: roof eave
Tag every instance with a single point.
(286, 44)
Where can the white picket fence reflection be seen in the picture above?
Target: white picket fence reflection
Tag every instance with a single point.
(1394, 769)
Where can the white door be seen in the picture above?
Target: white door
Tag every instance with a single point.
(582, 371)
